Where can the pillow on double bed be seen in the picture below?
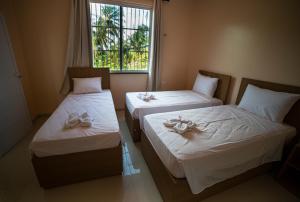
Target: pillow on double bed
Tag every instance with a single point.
(266, 103)
(205, 85)
(87, 85)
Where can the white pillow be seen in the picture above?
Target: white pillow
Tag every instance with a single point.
(266, 103)
(87, 85)
(206, 85)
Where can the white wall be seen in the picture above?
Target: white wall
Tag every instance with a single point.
(259, 39)
(122, 83)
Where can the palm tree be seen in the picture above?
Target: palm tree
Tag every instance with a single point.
(107, 27)
(138, 42)
(139, 39)
(106, 34)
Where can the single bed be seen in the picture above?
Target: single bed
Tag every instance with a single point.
(167, 101)
(193, 167)
(62, 156)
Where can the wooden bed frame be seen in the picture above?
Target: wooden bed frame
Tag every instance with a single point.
(65, 169)
(174, 189)
(221, 93)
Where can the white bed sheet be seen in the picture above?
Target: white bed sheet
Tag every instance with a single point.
(53, 139)
(233, 142)
(167, 101)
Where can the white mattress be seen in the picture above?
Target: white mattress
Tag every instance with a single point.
(167, 101)
(233, 142)
(53, 139)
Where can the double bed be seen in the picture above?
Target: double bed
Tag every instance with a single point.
(62, 156)
(233, 146)
(166, 101)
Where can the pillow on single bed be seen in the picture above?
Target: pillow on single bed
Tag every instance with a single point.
(266, 103)
(87, 85)
(206, 85)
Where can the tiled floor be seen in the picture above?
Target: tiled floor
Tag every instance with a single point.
(18, 182)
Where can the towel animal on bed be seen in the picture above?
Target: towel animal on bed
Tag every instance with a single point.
(146, 97)
(75, 120)
(180, 125)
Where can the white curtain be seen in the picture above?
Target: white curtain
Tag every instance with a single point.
(79, 51)
(153, 83)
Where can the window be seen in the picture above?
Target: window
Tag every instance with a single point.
(120, 37)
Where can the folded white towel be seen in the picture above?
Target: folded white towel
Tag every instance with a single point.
(180, 125)
(146, 97)
(170, 123)
(181, 128)
(85, 120)
(75, 120)
(173, 122)
(72, 121)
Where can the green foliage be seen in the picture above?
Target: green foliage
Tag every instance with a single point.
(106, 43)
(107, 28)
(139, 39)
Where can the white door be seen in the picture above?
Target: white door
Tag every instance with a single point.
(15, 121)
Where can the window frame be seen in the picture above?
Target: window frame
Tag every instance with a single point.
(120, 37)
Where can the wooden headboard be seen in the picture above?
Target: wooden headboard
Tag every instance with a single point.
(223, 84)
(85, 72)
(293, 117)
